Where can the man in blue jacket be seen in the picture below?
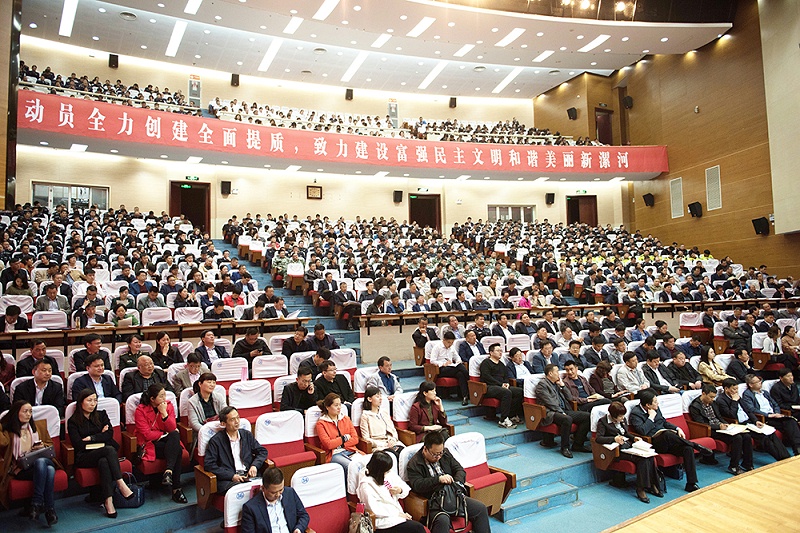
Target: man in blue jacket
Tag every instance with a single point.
(258, 515)
(756, 401)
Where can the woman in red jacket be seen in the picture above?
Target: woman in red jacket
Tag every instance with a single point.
(156, 429)
(336, 433)
(427, 413)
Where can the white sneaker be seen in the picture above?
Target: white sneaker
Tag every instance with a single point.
(516, 420)
(507, 424)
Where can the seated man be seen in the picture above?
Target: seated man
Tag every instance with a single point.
(257, 312)
(13, 320)
(445, 357)
(93, 345)
(38, 353)
(646, 419)
(594, 353)
(480, 328)
(548, 323)
(737, 337)
(493, 374)
(710, 318)
(480, 303)
(233, 455)
(785, 392)
(658, 376)
(756, 401)
(615, 355)
(440, 304)
(186, 378)
(545, 357)
(684, 376)
(124, 299)
(693, 347)
(419, 304)
(146, 374)
(141, 285)
(668, 350)
(296, 343)
(41, 390)
(433, 466)
(274, 505)
(461, 303)
(539, 337)
(250, 347)
(630, 377)
(454, 326)
(349, 304)
(647, 346)
(331, 382)
(313, 362)
(87, 315)
(423, 333)
(470, 346)
(517, 368)
(300, 395)
(208, 351)
(52, 301)
(556, 398)
(320, 339)
(580, 390)
(740, 366)
(153, 300)
(218, 312)
(705, 410)
(97, 380)
(502, 329)
(91, 296)
(527, 327)
(384, 380)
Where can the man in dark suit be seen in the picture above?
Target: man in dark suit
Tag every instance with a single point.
(461, 303)
(255, 513)
(470, 347)
(657, 374)
(555, 396)
(549, 324)
(257, 312)
(219, 458)
(320, 339)
(300, 395)
(423, 333)
(646, 419)
(13, 319)
(502, 329)
(41, 390)
(666, 295)
(756, 401)
(146, 374)
(313, 362)
(710, 318)
(38, 352)
(93, 346)
(97, 380)
(544, 357)
(296, 343)
(349, 303)
(326, 287)
(440, 304)
(207, 348)
(329, 381)
(785, 392)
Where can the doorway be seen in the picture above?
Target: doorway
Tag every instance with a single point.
(193, 200)
(604, 132)
(425, 210)
(582, 210)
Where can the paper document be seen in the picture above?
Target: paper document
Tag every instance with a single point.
(612, 446)
(293, 314)
(764, 430)
(733, 429)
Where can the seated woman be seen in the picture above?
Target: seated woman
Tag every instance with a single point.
(376, 426)
(709, 369)
(157, 431)
(613, 428)
(336, 433)
(790, 342)
(380, 490)
(774, 346)
(19, 287)
(124, 298)
(92, 437)
(121, 313)
(19, 434)
(164, 353)
(427, 413)
(602, 383)
(206, 403)
(130, 358)
(185, 299)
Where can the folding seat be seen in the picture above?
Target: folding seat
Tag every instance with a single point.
(492, 339)
(156, 314)
(432, 371)
(605, 459)
(296, 359)
(188, 315)
(360, 379)
(487, 484)
(324, 496)
(129, 441)
(519, 340)
(49, 320)
(25, 303)
(535, 413)
(23, 490)
(281, 433)
(477, 389)
(122, 349)
(206, 482)
(278, 385)
(251, 398)
(692, 324)
(270, 367)
(345, 359)
(184, 347)
(761, 360)
(90, 477)
(230, 370)
(294, 275)
(58, 355)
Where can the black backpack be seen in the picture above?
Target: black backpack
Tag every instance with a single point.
(450, 500)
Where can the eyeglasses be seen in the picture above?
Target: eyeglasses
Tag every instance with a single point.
(437, 454)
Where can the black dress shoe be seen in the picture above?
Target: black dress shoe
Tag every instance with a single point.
(34, 511)
(566, 453)
(709, 460)
(465, 400)
(705, 452)
(642, 496)
(547, 444)
(51, 517)
(581, 449)
(691, 487)
(655, 491)
(179, 497)
(744, 468)
(733, 470)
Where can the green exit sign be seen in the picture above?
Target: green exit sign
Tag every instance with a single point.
(412, 196)
(192, 178)
(580, 191)
(185, 186)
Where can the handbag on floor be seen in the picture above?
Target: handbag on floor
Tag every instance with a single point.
(137, 500)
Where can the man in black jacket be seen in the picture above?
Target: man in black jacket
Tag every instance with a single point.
(683, 374)
(740, 366)
(250, 347)
(52, 393)
(146, 374)
(657, 374)
(493, 373)
(705, 410)
(329, 381)
(432, 467)
(300, 395)
(423, 333)
(38, 352)
(219, 458)
(320, 339)
(313, 362)
(785, 392)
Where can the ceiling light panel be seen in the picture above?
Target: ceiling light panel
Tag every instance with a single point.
(325, 9)
(354, 66)
(508, 79)
(380, 41)
(544, 55)
(421, 26)
(511, 37)
(176, 38)
(464, 50)
(433, 74)
(272, 51)
(68, 17)
(600, 39)
(294, 23)
(192, 6)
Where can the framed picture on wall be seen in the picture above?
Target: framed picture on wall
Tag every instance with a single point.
(313, 192)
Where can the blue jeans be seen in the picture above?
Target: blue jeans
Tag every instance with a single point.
(344, 461)
(43, 474)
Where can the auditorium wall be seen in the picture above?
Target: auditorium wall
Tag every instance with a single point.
(709, 108)
(145, 183)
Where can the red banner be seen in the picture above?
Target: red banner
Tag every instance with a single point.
(85, 118)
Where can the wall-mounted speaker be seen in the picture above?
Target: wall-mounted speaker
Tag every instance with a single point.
(761, 225)
(348, 94)
(572, 113)
(649, 200)
(397, 197)
(234, 80)
(550, 198)
(113, 61)
(225, 186)
(627, 102)
(696, 209)
(453, 102)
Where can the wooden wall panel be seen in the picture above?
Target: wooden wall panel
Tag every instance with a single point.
(550, 108)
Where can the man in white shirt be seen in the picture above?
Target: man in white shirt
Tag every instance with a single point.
(630, 377)
(445, 357)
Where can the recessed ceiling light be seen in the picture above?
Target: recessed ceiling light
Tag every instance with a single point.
(516, 59)
(520, 179)
(286, 70)
(563, 48)
(398, 48)
(480, 57)
(625, 39)
(144, 47)
(664, 39)
(444, 86)
(299, 47)
(389, 30)
(478, 42)
(239, 63)
(356, 8)
(369, 79)
(524, 46)
(114, 151)
(405, 175)
(536, 72)
(267, 166)
(645, 51)
(403, 17)
(164, 156)
(572, 73)
(479, 68)
(462, 67)
(580, 37)
(563, 179)
(597, 179)
(353, 42)
(152, 21)
(324, 75)
(438, 52)
(607, 50)
(497, 70)
(313, 35)
(403, 83)
(594, 63)
(451, 24)
(252, 39)
(293, 11)
(383, 59)
(217, 18)
(495, 30)
(102, 10)
(263, 27)
(197, 56)
(540, 34)
(224, 162)
(206, 31)
(358, 172)
(160, 5)
(345, 22)
(420, 63)
(95, 38)
(436, 37)
(339, 53)
(516, 90)
(32, 25)
(487, 178)
(441, 176)
(477, 88)
(44, 143)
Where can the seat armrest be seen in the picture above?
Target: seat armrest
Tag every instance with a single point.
(451, 429)
(698, 430)
(68, 456)
(319, 451)
(419, 355)
(477, 390)
(603, 457)
(643, 437)
(407, 437)
(762, 419)
(270, 463)
(367, 512)
(511, 480)
(187, 434)
(206, 486)
(534, 414)
(416, 506)
(786, 412)
(364, 446)
(431, 372)
(129, 445)
(574, 404)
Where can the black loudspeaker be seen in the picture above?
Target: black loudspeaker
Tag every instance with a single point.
(397, 197)
(696, 209)
(226, 187)
(627, 102)
(572, 113)
(113, 61)
(649, 200)
(550, 198)
(453, 102)
(761, 225)
(348, 94)
(234, 80)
